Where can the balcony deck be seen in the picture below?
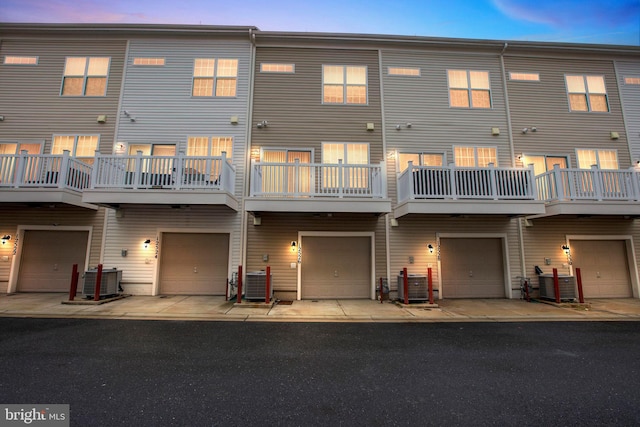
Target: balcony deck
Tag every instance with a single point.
(317, 187)
(44, 178)
(452, 190)
(168, 180)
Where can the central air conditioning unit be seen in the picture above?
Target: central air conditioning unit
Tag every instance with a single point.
(566, 285)
(418, 287)
(256, 286)
(109, 284)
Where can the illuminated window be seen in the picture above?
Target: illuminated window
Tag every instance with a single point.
(525, 77)
(347, 154)
(420, 159)
(469, 89)
(632, 80)
(85, 76)
(277, 68)
(83, 147)
(21, 60)
(475, 156)
(344, 84)
(587, 93)
(215, 76)
(603, 159)
(206, 147)
(148, 61)
(402, 71)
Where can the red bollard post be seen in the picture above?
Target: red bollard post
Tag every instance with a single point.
(430, 282)
(74, 282)
(239, 296)
(556, 285)
(96, 292)
(267, 297)
(405, 284)
(579, 281)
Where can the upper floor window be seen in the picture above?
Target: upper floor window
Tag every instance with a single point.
(21, 60)
(277, 68)
(85, 76)
(157, 62)
(344, 84)
(603, 159)
(403, 71)
(204, 146)
(632, 80)
(82, 147)
(215, 77)
(475, 156)
(420, 159)
(469, 89)
(587, 93)
(524, 77)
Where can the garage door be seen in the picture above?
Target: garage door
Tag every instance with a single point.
(336, 267)
(603, 266)
(194, 263)
(472, 268)
(47, 259)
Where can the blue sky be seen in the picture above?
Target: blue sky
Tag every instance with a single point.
(572, 21)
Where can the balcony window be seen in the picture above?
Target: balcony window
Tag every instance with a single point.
(419, 159)
(82, 147)
(475, 156)
(603, 159)
(347, 154)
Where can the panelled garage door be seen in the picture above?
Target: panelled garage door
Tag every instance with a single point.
(47, 259)
(603, 267)
(336, 267)
(472, 268)
(194, 263)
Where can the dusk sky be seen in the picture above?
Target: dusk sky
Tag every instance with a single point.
(572, 21)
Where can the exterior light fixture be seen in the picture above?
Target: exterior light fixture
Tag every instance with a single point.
(525, 130)
(5, 238)
(430, 247)
(146, 243)
(262, 124)
(294, 246)
(565, 248)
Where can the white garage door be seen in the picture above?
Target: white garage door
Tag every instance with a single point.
(472, 268)
(194, 263)
(47, 259)
(336, 267)
(603, 267)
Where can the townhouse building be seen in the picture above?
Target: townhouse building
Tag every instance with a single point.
(179, 153)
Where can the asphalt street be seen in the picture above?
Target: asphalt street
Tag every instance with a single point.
(156, 373)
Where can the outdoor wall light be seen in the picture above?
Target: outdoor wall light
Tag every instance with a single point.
(5, 238)
(262, 124)
(565, 248)
(430, 247)
(146, 243)
(294, 246)
(525, 130)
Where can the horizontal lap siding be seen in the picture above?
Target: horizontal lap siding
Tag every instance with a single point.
(423, 101)
(274, 237)
(545, 105)
(30, 95)
(292, 103)
(141, 223)
(159, 97)
(630, 95)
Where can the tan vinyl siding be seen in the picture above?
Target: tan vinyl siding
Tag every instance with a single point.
(414, 232)
(30, 96)
(292, 103)
(424, 102)
(161, 97)
(545, 105)
(274, 236)
(145, 222)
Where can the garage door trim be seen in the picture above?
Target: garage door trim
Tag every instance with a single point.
(505, 254)
(370, 234)
(631, 255)
(15, 262)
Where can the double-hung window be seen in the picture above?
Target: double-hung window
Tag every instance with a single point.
(603, 159)
(344, 84)
(82, 147)
(215, 77)
(475, 156)
(344, 160)
(420, 159)
(85, 76)
(469, 89)
(587, 93)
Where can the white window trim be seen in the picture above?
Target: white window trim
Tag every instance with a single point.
(345, 85)
(133, 62)
(624, 80)
(475, 153)
(85, 76)
(421, 153)
(37, 58)
(210, 143)
(286, 150)
(277, 72)
(597, 157)
(344, 162)
(469, 89)
(389, 73)
(75, 142)
(586, 88)
(524, 80)
(215, 78)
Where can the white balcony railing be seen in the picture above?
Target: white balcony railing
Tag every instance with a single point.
(588, 184)
(172, 172)
(44, 171)
(317, 180)
(451, 182)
